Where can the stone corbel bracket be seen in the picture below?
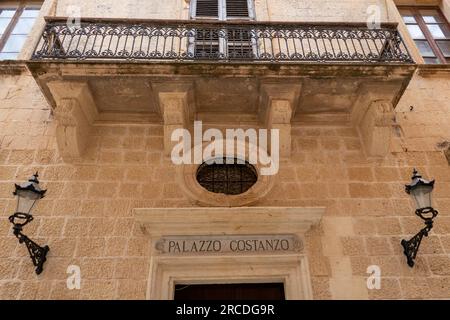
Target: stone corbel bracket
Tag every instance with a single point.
(373, 116)
(176, 107)
(277, 107)
(75, 113)
(158, 222)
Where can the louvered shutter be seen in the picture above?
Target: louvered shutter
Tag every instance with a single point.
(239, 43)
(207, 39)
(237, 8)
(207, 8)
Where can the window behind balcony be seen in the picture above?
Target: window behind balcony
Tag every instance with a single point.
(16, 21)
(430, 31)
(233, 42)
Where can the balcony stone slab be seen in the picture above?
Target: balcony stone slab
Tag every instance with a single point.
(233, 94)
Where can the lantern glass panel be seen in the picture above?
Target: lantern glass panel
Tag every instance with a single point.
(26, 200)
(422, 196)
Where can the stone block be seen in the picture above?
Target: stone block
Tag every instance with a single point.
(62, 247)
(439, 265)
(439, 287)
(77, 227)
(353, 246)
(390, 289)
(378, 246)
(131, 290)
(99, 290)
(102, 190)
(115, 246)
(91, 247)
(415, 288)
(10, 290)
(321, 288)
(359, 265)
(132, 268)
(388, 226)
(51, 227)
(97, 268)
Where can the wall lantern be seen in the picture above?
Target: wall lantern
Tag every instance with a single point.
(28, 194)
(420, 190)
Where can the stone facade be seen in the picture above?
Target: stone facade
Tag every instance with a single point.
(87, 216)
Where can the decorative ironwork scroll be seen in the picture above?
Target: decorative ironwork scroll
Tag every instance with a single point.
(411, 246)
(37, 253)
(131, 40)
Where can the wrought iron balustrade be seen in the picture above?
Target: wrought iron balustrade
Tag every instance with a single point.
(100, 39)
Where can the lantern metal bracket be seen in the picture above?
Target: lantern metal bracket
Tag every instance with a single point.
(37, 253)
(411, 247)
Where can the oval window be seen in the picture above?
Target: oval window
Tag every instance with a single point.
(230, 178)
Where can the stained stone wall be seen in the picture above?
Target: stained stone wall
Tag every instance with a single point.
(86, 217)
(266, 10)
(325, 11)
(135, 9)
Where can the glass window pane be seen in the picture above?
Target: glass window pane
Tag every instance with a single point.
(3, 24)
(409, 19)
(425, 49)
(430, 19)
(432, 60)
(445, 47)
(8, 55)
(415, 31)
(23, 26)
(7, 13)
(430, 16)
(14, 43)
(436, 31)
(30, 12)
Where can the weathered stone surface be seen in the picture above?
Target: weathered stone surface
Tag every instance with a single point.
(97, 169)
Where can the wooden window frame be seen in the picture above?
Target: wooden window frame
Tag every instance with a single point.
(20, 6)
(222, 16)
(423, 27)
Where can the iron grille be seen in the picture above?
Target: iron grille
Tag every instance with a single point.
(230, 178)
(101, 39)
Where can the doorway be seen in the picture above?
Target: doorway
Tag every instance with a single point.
(241, 291)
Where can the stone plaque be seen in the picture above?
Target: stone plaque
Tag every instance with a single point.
(191, 245)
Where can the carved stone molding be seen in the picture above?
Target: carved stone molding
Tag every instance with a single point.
(376, 128)
(277, 107)
(158, 222)
(187, 180)
(292, 270)
(373, 115)
(75, 113)
(176, 106)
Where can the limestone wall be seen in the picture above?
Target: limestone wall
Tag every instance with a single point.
(133, 9)
(326, 11)
(422, 114)
(86, 217)
(272, 10)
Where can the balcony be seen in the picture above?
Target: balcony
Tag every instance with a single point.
(132, 71)
(97, 39)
